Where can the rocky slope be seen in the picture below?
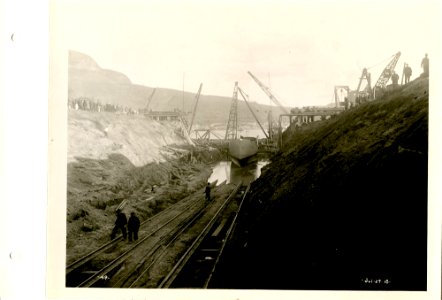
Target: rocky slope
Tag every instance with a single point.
(346, 207)
(114, 158)
(97, 135)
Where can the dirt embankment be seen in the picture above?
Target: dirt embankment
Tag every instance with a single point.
(344, 206)
(97, 135)
(132, 162)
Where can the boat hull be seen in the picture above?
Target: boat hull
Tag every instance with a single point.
(242, 151)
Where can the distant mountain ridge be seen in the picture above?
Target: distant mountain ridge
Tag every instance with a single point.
(87, 79)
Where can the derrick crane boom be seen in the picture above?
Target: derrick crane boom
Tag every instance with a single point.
(149, 100)
(194, 108)
(367, 91)
(387, 72)
(268, 92)
(244, 96)
(232, 124)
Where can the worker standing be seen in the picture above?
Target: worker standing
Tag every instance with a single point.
(133, 225)
(425, 64)
(207, 191)
(407, 73)
(120, 224)
(395, 78)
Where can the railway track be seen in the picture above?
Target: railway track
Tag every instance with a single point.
(196, 266)
(177, 246)
(89, 265)
(165, 240)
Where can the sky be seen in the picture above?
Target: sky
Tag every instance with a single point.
(300, 49)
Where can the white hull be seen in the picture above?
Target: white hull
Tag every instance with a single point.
(242, 151)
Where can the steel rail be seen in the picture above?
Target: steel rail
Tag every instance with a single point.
(88, 257)
(161, 241)
(165, 247)
(168, 280)
(120, 259)
(226, 238)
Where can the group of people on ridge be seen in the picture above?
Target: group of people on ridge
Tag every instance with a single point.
(407, 72)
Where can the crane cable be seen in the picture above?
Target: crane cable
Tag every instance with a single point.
(390, 57)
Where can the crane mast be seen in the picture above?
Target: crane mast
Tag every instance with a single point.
(367, 91)
(268, 92)
(387, 72)
(149, 100)
(244, 96)
(232, 124)
(194, 108)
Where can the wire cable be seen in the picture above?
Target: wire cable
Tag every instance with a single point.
(390, 57)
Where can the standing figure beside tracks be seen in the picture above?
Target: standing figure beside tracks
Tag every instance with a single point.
(120, 224)
(207, 191)
(132, 227)
(425, 64)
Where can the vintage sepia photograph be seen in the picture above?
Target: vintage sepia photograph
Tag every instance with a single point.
(242, 146)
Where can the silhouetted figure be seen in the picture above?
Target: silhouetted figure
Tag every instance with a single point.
(395, 78)
(207, 191)
(407, 73)
(120, 224)
(425, 64)
(132, 227)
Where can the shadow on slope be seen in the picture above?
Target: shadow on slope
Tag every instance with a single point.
(346, 207)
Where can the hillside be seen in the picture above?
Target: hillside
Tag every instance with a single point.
(88, 80)
(97, 135)
(116, 157)
(344, 206)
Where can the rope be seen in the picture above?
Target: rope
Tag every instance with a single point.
(390, 57)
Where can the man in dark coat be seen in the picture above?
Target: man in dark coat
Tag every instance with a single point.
(207, 191)
(132, 226)
(120, 223)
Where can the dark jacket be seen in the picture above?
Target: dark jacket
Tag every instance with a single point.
(133, 224)
(121, 220)
(207, 190)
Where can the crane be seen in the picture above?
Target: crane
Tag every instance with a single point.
(244, 95)
(232, 124)
(367, 91)
(194, 108)
(150, 99)
(269, 93)
(386, 74)
(336, 95)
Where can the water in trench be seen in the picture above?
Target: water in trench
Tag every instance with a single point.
(231, 173)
